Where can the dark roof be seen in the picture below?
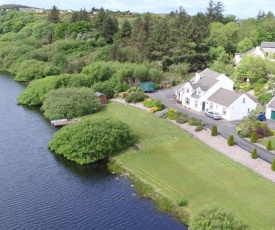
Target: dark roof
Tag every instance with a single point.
(177, 87)
(204, 83)
(224, 97)
(99, 94)
(209, 73)
(271, 104)
(268, 44)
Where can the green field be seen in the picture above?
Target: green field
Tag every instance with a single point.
(177, 165)
(265, 142)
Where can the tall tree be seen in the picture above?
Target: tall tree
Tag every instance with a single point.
(54, 15)
(214, 11)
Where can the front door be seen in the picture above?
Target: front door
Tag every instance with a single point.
(203, 106)
(273, 115)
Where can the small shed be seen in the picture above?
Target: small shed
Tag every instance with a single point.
(270, 109)
(102, 97)
(148, 86)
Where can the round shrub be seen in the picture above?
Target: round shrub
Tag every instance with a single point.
(230, 140)
(214, 131)
(70, 102)
(172, 114)
(135, 97)
(244, 133)
(253, 137)
(199, 128)
(213, 217)
(254, 154)
(89, 141)
(269, 146)
(148, 103)
(273, 165)
(182, 120)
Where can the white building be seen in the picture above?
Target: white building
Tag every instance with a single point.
(231, 105)
(194, 93)
(270, 109)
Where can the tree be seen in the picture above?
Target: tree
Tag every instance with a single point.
(273, 165)
(230, 140)
(269, 146)
(214, 131)
(213, 217)
(70, 103)
(253, 137)
(105, 88)
(244, 45)
(252, 68)
(214, 11)
(54, 15)
(254, 154)
(91, 140)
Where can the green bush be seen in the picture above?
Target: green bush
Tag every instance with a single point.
(182, 120)
(182, 202)
(253, 137)
(213, 217)
(254, 154)
(269, 146)
(183, 115)
(105, 88)
(194, 122)
(214, 131)
(89, 141)
(273, 165)
(135, 97)
(199, 128)
(70, 103)
(230, 140)
(244, 133)
(172, 114)
(149, 103)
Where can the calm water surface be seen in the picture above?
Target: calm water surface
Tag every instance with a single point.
(41, 191)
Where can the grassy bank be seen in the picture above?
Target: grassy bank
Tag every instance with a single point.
(176, 165)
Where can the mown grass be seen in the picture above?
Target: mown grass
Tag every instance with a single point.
(176, 165)
(266, 140)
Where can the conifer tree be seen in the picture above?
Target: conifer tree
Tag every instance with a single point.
(54, 15)
(230, 140)
(253, 137)
(254, 154)
(214, 131)
(269, 146)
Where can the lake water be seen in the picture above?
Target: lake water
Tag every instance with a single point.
(39, 190)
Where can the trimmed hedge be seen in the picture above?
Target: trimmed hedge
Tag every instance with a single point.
(135, 97)
(254, 154)
(230, 140)
(214, 131)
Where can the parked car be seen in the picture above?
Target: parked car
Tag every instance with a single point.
(262, 117)
(213, 115)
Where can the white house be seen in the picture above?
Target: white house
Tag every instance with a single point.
(231, 105)
(194, 93)
(270, 109)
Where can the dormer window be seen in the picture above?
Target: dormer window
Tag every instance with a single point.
(199, 91)
(187, 90)
(243, 100)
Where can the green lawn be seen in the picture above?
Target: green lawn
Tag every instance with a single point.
(177, 165)
(265, 141)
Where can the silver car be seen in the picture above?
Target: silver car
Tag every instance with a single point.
(213, 115)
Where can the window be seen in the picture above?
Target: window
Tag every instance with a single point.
(199, 91)
(211, 105)
(248, 110)
(223, 110)
(196, 104)
(187, 101)
(243, 100)
(187, 90)
(217, 106)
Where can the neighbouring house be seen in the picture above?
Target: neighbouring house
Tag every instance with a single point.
(231, 105)
(270, 109)
(195, 93)
(266, 49)
(102, 97)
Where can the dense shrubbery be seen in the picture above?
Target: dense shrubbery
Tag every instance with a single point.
(194, 122)
(155, 105)
(172, 114)
(213, 217)
(200, 128)
(70, 102)
(182, 120)
(36, 91)
(88, 141)
(251, 124)
(135, 97)
(105, 88)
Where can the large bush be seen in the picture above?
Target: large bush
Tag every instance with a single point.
(172, 114)
(88, 141)
(70, 102)
(36, 91)
(105, 88)
(136, 97)
(213, 217)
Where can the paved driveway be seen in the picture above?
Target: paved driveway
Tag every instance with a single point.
(225, 128)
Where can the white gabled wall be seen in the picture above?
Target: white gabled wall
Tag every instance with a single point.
(269, 109)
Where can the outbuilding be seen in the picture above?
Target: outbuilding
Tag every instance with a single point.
(102, 97)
